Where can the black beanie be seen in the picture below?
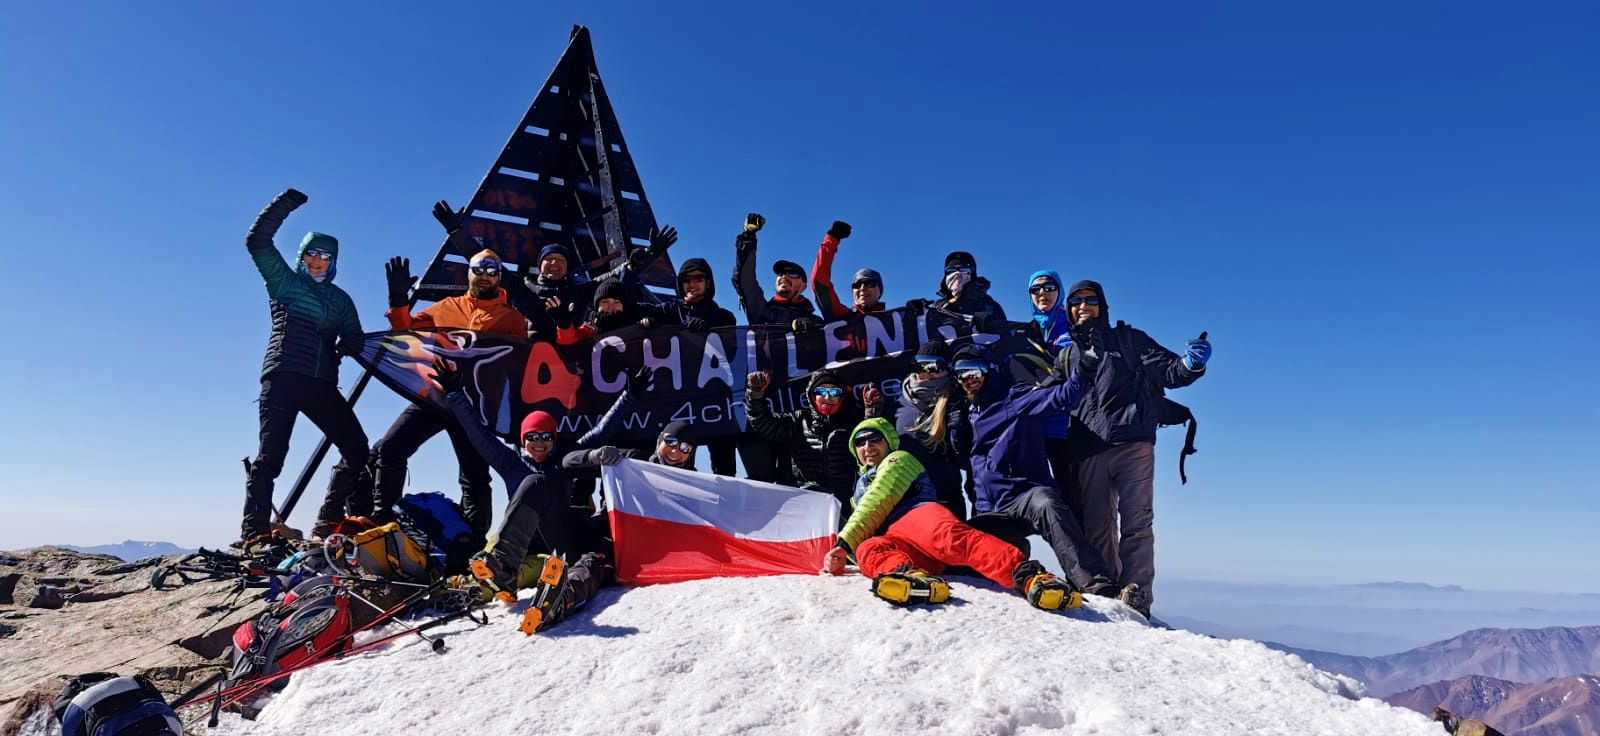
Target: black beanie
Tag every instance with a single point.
(961, 258)
(935, 348)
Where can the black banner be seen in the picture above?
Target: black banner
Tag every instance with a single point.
(699, 378)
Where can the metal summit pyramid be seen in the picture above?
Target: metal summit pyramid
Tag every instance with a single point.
(565, 176)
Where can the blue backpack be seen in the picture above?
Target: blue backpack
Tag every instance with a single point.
(103, 704)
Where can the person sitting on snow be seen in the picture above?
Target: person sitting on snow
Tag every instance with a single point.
(866, 286)
(538, 511)
(817, 437)
(903, 537)
(1016, 495)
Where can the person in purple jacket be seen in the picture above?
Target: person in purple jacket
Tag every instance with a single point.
(1016, 493)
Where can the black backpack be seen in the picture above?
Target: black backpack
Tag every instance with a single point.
(103, 704)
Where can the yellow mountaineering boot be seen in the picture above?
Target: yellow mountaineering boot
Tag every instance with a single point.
(1043, 589)
(904, 587)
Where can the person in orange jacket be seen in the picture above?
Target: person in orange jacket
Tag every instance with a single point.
(482, 309)
(866, 286)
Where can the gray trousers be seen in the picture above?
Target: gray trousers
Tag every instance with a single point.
(1115, 492)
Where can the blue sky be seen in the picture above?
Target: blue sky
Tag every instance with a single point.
(1385, 216)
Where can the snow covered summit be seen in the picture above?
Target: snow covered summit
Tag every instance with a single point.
(814, 655)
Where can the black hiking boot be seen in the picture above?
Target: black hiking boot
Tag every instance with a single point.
(553, 599)
(499, 584)
(1137, 597)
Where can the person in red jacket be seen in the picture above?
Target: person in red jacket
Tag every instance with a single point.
(866, 286)
(482, 309)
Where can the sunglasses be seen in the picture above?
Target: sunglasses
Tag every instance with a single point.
(539, 437)
(862, 440)
(828, 392)
(1043, 289)
(485, 270)
(953, 269)
(319, 254)
(1092, 301)
(930, 366)
(679, 444)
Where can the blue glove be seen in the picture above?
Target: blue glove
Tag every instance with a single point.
(1199, 353)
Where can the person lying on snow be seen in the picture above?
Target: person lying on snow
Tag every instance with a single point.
(482, 309)
(1016, 495)
(314, 323)
(538, 513)
(817, 437)
(903, 537)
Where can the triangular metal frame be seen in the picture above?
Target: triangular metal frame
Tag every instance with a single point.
(564, 176)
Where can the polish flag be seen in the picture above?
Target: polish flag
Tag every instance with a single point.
(671, 525)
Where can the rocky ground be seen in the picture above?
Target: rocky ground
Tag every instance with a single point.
(65, 613)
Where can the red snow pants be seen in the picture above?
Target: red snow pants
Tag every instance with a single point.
(931, 538)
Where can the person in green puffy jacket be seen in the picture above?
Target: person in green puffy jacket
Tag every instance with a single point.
(314, 323)
(902, 536)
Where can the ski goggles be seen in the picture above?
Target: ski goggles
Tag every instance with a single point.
(486, 268)
(1074, 301)
(1043, 289)
(971, 368)
(862, 439)
(678, 443)
(539, 437)
(318, 254)
(828, 392)
(928, 364)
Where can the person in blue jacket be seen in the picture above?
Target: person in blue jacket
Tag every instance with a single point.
(1016, 493)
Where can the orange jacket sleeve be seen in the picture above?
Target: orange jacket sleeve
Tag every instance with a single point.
(401, 318)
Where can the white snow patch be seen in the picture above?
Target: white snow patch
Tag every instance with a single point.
(800, 654)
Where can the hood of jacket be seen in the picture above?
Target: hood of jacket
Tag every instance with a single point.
(320, 241)
(699, 265)
(1105, 306)
(1054, 322)
(882, 426)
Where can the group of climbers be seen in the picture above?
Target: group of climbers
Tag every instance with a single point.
(973, 454)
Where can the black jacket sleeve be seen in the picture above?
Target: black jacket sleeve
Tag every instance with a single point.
(1162, 366)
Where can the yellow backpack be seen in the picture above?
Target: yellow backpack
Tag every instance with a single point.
(387, 552)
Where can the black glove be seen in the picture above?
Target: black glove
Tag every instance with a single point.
(446, 376)
(917, 307)
(397, 272)
(753, 222)
(805, 325)
(695, 324)
(1090, 347)
(449, 218)
(839, 230)
(641, 381)
(271, 218)
(662, 239)
(607, 455)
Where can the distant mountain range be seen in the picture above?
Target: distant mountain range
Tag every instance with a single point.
(133, 551)
(1420, 587)
(1565, 706)
(1517, 655)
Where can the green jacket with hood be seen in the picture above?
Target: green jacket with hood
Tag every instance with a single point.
(312, 322)
(885, 492)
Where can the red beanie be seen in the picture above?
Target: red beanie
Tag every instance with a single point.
(537, 421)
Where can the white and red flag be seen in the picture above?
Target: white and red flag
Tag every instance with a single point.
(672, 525)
